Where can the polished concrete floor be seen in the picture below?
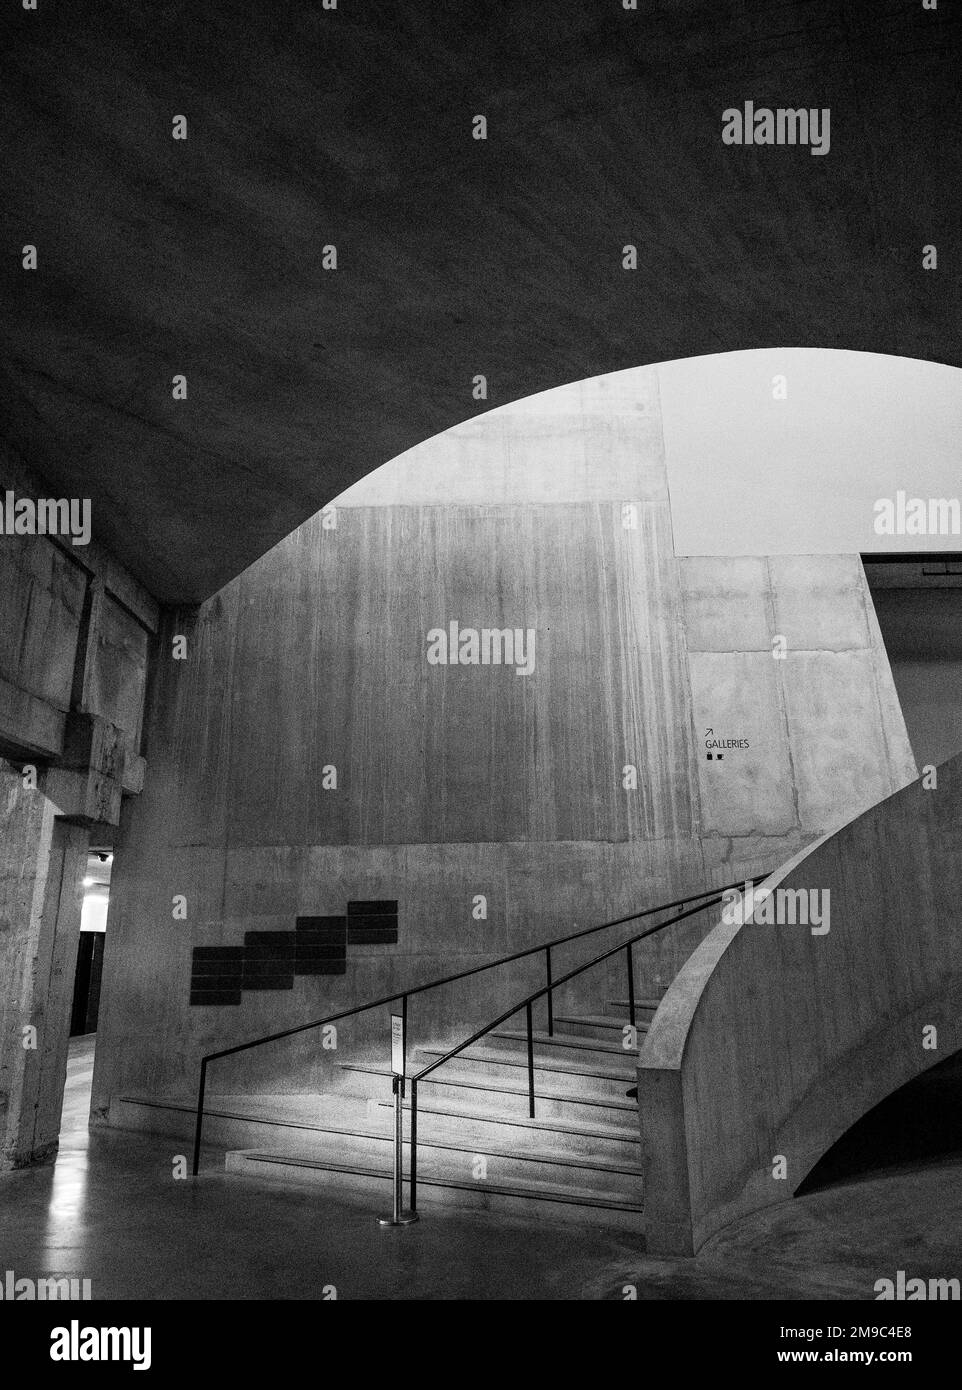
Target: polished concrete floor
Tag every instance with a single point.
(111, 1210)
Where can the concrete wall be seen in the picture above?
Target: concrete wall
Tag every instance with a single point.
(455, 781)
(42, 862)
(772, 451)
(772, 1040)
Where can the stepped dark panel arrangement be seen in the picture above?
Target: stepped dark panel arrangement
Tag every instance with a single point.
(372, 923)
(272, 959)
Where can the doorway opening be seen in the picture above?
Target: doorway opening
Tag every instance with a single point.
(86, 989)
(90, 949)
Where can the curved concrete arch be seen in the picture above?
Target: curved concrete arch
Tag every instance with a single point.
(456, 257)
(773, 1040)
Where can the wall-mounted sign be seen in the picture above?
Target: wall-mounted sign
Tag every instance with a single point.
(712, 743)
(397, 1044)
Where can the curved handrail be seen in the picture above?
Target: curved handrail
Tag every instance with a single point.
(526, 1003)
(563, 979)
(403, 994)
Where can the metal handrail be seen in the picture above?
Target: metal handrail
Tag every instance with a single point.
(404, 995)
(526, 1003)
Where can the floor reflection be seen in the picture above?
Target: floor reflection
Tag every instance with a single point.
(69, 1175)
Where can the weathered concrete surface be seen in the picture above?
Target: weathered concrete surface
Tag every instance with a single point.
(74, 637)
(456, 257)
(43, 593)
(772, 1040)
(459, 781)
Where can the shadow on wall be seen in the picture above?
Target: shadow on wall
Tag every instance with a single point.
(920, 1122)
(918, 604)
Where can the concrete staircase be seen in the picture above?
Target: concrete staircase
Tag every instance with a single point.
(579, 1160)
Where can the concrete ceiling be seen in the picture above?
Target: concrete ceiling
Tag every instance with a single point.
(308, 126)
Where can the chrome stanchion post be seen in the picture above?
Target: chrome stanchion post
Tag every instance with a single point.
(399, 1216)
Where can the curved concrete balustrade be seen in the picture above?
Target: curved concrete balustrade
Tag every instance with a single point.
(772, 1041)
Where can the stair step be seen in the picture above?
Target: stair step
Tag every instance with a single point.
(235, 1121)
(560, 1202)
(581, 1076)
(588, 1049)
(285, 1121)
(647, 1005)
(503, 1093)
(602, 1026)
(594, 1138)
(455, 1156)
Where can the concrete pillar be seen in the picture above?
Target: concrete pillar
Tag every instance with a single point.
(75, 641)
(42, 862)
(661, 1110)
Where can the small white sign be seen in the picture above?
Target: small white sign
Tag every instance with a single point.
(397, 1044)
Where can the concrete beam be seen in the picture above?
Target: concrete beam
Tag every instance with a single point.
(89, 782)
(29, 727)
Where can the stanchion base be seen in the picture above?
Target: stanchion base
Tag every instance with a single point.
(406, 1218)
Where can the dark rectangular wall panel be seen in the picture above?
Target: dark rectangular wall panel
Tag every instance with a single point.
(320, 946)
(216, 975)
(268, 960)
(372, 923)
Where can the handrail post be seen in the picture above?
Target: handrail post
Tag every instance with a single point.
(527, 1005)
(404, 1016)
(200, 1114)
(547, 961)
(527, 1009)
(398, 1217)
(414, 1144)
